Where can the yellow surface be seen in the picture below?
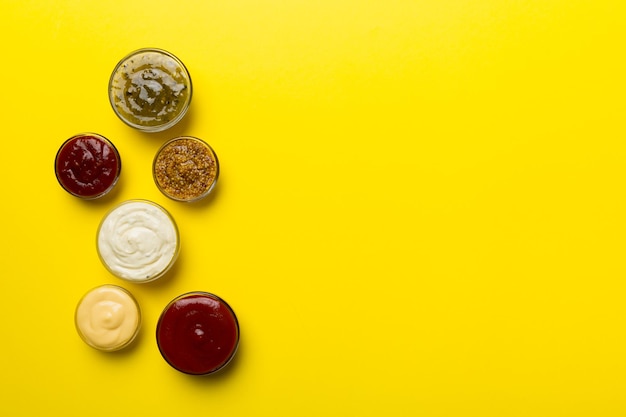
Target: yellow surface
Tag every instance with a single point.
(421, 207)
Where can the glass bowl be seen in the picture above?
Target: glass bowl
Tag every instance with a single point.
(198, 333)
(108, 318)
(185, 169)
(150, 90)
(138, 241)
(88, 165)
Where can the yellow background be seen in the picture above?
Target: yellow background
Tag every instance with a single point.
(420, 209)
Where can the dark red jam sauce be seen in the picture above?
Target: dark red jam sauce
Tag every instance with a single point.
(87, 165)
(197, 333)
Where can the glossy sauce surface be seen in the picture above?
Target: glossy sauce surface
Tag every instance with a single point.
(198, 333)
(138, 241)
(87, 166)
(150, 90)
(107, 318)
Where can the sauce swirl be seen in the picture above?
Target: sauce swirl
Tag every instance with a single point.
(87, 165)
(108, 318)
(150, 90)
(138, 241)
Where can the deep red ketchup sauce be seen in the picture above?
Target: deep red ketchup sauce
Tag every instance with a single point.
(197, 333)
(87, 165)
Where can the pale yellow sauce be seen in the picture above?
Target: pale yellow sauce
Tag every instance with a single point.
(108, 318)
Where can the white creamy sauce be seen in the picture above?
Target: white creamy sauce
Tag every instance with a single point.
(138, 241)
